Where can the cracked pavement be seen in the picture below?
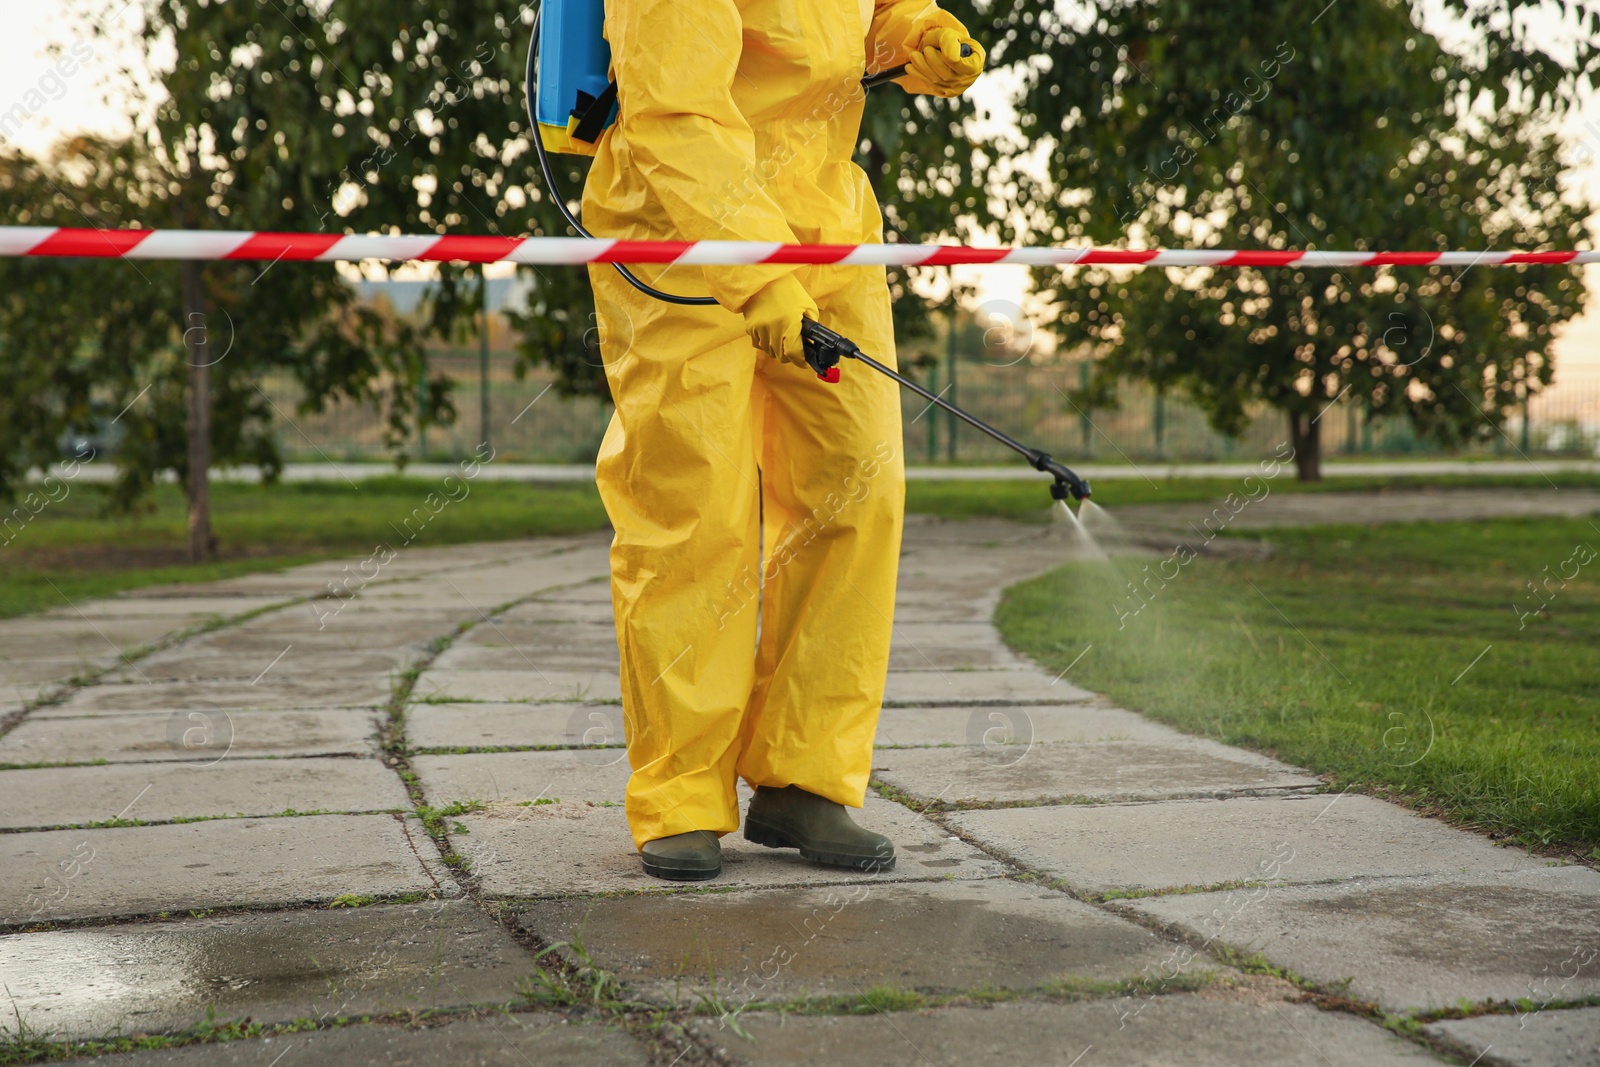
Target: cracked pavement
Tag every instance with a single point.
(253, 799)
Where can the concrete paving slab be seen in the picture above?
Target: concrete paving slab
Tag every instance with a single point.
(472, 591)
(37, 672)
(949, 646)
(1111, 771)
(530, 623)
(73, 796)
(596, 612)
(541, 634)
(272, 968)
(768, 944)
(393, 636)
(932, 530)
(1211, 1030)
(596, 590)
(178, 609)
(429, 598)
(1017, 724)
(304, 646)
(198, 736)
(979, 571)
(915, 627)
(497, 577)
(31, 692)
(516, 631)
(284, 662)
(498, 1040)
(534, 684)
(306, 580)
(340, 615)
(34, 676)
(581, 847)
(926, 688)
(1552, 1037)
(598, 775)
(487, 725)
(337, 691)
(57, 634)
(74, 636)
(347, 618)
(144, 870)
(573, 652)
(1293, 840)
(1415, 943)
(930, 605)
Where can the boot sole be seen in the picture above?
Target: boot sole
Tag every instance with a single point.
(680, 874)
(762, 834)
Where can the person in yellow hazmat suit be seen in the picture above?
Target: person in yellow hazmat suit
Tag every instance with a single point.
(757, 509)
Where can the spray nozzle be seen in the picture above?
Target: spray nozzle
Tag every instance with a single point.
(1066, 483)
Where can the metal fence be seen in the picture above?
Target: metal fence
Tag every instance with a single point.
(528, 422)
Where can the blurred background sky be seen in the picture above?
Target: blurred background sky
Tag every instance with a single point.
(90, 101)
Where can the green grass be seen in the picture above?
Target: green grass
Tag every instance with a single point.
(1352, 651)
(71, 550)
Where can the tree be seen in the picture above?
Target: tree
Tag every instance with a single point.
(1171, 127)
(95, 348)
(72, 333)
(212, 157)
(334, 116)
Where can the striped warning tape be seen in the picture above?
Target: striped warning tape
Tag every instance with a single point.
(571, 251)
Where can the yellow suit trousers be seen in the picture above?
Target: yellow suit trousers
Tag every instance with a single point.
(706, 452)
(757, 510)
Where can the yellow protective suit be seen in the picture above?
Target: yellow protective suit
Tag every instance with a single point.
(737, 121)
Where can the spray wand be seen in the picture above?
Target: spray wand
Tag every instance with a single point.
(824, 349)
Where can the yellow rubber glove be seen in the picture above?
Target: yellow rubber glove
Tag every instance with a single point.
(936, 64)
(772, 319)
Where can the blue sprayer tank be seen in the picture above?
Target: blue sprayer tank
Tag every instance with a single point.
(569, 76)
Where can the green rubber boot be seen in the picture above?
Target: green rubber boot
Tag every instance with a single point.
(692, 857)
(822, 830)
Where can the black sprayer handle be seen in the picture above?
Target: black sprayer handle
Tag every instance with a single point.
(872, 81)
(824, 349)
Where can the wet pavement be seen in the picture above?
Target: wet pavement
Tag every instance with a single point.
(386, 828)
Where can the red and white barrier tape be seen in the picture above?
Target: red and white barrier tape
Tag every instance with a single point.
(572, 251)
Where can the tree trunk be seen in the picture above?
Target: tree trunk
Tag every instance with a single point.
(1305, 435)
(202, 546)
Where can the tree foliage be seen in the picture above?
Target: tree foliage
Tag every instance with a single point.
(1161, 123)
(1170, 126)
(412, 119)
(94, 347)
